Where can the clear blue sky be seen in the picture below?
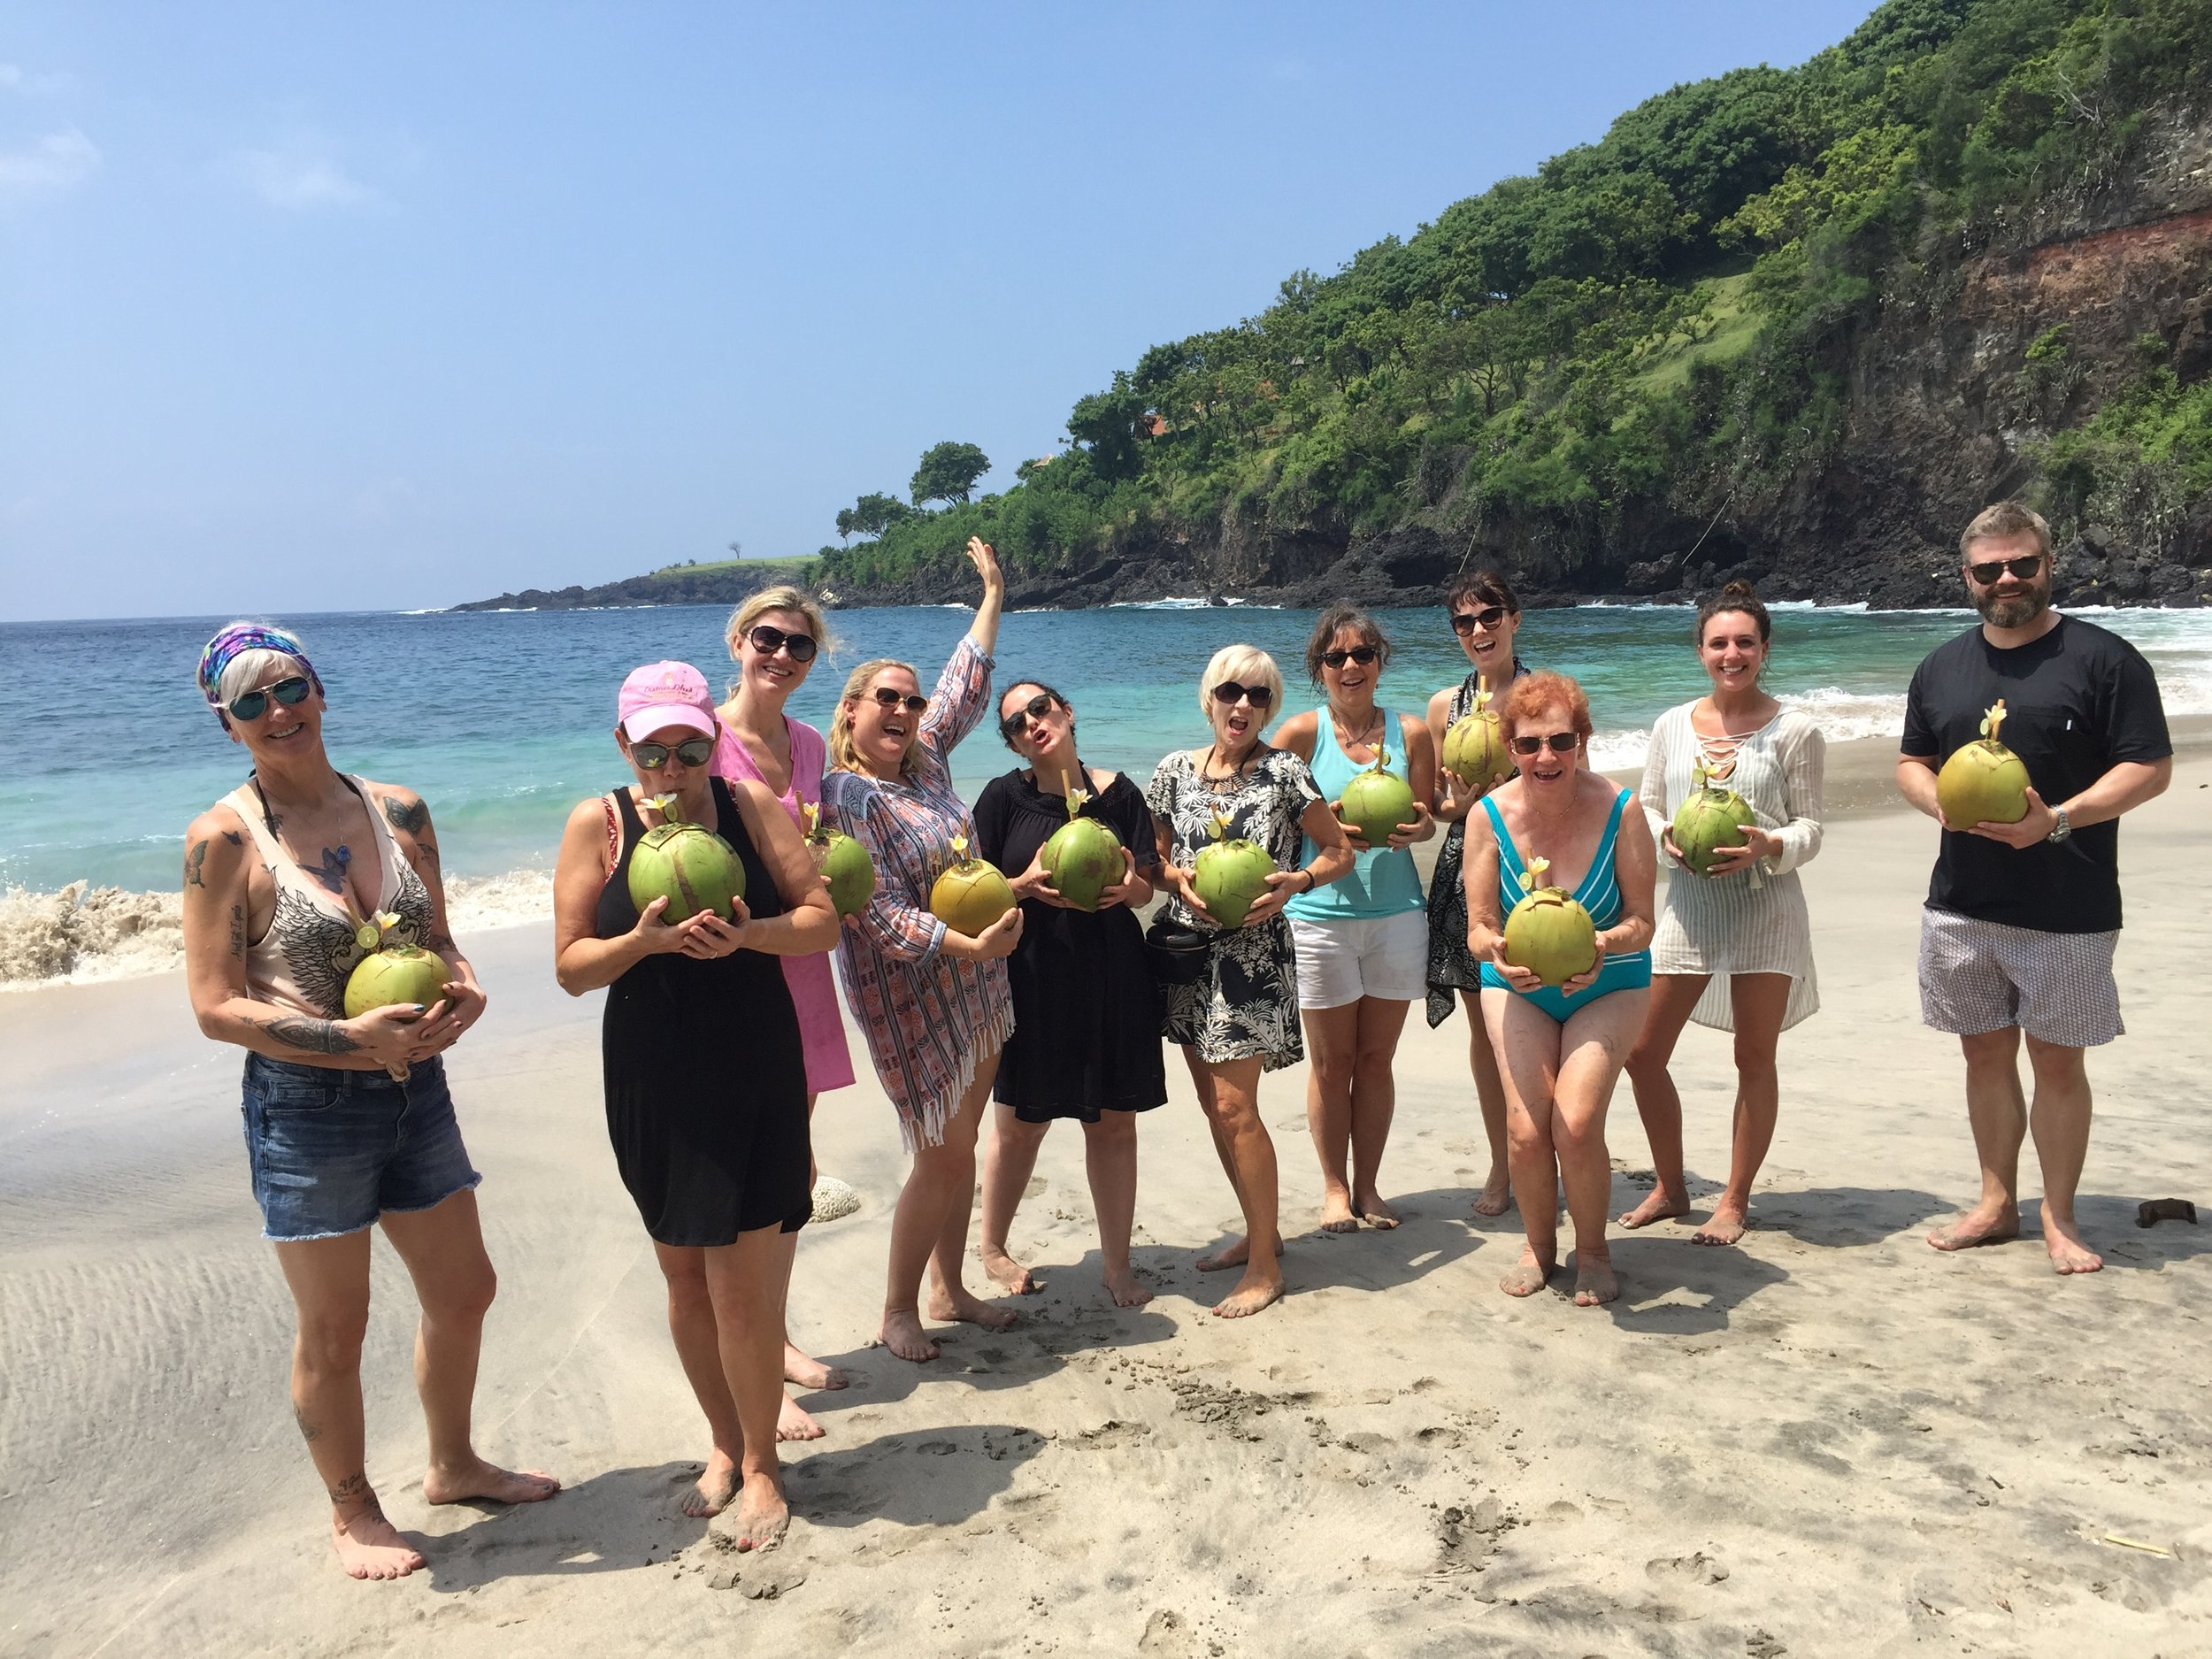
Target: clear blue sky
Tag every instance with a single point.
(311, 307)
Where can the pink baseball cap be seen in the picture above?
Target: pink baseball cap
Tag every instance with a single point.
(661, 694)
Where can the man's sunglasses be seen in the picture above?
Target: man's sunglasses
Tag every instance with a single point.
(693, 751)
(1361, 654)
(768, 642)
(1229, 692)
(1465, 622)
(1036, 709)
(251, 705)
(1558, 742)
(2023, 569)
(886, 698)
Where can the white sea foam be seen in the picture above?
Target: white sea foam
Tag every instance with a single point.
(83, 934)
(1184, 604)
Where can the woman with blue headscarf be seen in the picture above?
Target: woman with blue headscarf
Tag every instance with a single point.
(290, 881)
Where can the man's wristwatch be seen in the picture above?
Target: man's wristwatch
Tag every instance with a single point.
(2063, 828)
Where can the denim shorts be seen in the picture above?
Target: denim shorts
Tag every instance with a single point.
(331, 1150)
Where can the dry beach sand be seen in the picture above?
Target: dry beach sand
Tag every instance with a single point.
(1832, 1440)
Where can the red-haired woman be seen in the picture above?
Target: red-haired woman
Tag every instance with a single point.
(1560, 1048)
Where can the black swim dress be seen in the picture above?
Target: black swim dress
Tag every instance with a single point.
(1087, 1012)
(709, 1147)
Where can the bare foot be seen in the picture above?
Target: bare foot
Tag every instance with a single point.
(809, 1372)
(1727, 1225)
(370, 1547)
(1496, 1197)
(962, 1308)
(763, 1517)
(2069, 1253)
(1375, 1213)
(1122, 1287)
(794, 1422)
(902, 1334)
(1337, 1214)
(1985, 1223)
(1529, 1274)
(1660, 1205)
(488, 1482)
(1595, 1283)
(1236, 1253)
(1252, 1294)
(1005, 1272)
(711, 1493)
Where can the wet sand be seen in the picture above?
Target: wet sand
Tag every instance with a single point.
(1830, 1440)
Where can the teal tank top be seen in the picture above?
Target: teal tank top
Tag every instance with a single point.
(1382, 881)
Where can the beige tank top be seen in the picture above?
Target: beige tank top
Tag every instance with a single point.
(302, 961)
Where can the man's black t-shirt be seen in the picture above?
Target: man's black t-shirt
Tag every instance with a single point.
(2077, 701)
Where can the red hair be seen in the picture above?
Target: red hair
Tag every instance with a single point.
(1531, 694)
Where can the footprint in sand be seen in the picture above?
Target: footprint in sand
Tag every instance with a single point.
(1698, 1569)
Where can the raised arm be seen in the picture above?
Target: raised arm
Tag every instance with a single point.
(984, 629)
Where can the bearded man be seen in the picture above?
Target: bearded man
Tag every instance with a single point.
(2022, 918)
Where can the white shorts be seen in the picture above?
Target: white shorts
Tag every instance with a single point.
(1369, 956)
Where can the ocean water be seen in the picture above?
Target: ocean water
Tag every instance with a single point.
(504, 720)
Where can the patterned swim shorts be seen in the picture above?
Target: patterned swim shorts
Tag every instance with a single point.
(1977, 977)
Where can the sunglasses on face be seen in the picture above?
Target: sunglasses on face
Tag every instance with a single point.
(768, 642)
(251, 705)
(1558, 742)
(1361, 654)
(2023, 569)
(1036, 709)
(1228, 692)
(693, 751)
(887, 699)
(1465, 622)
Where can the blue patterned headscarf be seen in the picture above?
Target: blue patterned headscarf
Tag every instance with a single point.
(234, 642)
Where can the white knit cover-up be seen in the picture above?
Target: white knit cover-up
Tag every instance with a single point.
(1754, 921)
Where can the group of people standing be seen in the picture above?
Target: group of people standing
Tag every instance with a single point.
(1057, 1013)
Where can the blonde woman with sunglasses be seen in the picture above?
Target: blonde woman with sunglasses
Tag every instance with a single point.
(934, 1003)
(774, 637)
(1239, 1018)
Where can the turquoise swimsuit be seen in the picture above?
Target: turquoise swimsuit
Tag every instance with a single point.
(1600, 893)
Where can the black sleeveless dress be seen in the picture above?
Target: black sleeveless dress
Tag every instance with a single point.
(709, 1147)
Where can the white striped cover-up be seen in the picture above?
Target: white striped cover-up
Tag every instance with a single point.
(1756, 920)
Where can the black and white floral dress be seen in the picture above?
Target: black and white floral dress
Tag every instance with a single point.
(1247, 1002)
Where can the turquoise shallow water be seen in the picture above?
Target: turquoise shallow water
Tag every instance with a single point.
(504, 720)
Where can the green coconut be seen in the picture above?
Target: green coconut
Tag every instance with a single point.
(847, 869)
(1549, 932)
(1983, 782)
(1376, 801)
(687, 864)
(1475, 749)
(970, 896)
(1230, 875)
(1083, 857)
(1710, 819)
(394, 973)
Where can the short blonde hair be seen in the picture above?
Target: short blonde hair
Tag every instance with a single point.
(1247, 665)
(782, 596)
(2001, 522)
(842, 756)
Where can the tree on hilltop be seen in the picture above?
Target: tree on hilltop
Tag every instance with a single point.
(948, 472)
(872, 515)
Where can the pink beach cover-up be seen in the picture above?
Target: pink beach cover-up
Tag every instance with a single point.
(829, 1062)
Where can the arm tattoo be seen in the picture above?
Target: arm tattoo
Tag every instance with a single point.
(309, 1036)
(413, 818)
(193, 860)
(442, 943)
(309, 1430)
(237, 930)
(233, 838)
